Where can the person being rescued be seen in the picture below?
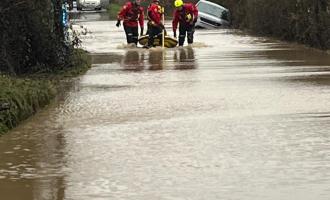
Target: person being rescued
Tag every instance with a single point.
(132, 13)
(185, 15)
(155, 25)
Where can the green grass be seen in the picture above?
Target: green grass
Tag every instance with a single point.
(113, 10)
(80, 63)
(27, 95)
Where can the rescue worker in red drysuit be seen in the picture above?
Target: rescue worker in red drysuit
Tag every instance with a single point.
(185, 15)
(132, 13)
(155, 25)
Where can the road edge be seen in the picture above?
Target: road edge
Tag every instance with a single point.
(22, 97)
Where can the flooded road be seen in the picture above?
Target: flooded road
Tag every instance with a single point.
(233, 117)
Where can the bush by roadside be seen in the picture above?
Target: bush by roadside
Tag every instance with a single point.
(32, 35)
(303, 21)
(23, 96)
(34, 56)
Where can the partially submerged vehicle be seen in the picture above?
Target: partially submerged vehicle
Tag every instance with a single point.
(89, 5)
(212, 15)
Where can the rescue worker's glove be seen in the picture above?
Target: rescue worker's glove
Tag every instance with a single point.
(141, 33)
(174, 34)
(118, 23)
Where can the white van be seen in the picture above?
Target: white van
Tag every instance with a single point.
(212, 15)
(89, 5)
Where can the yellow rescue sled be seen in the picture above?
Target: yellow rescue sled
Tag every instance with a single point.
(168, 43)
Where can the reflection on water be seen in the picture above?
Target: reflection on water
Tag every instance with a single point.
(103, 58)
(133, 60)
(159, 59)
(238, 118)
(156, 59)
(185, 58)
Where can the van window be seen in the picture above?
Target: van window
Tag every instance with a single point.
(211, 10)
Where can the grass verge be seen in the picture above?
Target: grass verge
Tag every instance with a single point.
(113, 10)
(21, 97)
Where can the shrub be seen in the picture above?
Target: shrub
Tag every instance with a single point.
(31, 35)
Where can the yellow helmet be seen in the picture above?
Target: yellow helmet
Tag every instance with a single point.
(178, 3)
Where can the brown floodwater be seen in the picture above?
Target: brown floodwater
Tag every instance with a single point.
(232, 117)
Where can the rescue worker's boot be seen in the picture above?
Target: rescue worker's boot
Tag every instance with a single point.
(190, 37)
(150, 42)
(135, 40)
(181, 39)
(190, 34)
(160, 38)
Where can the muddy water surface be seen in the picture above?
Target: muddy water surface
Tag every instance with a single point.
(233, 117)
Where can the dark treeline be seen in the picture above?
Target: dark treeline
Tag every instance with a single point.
(31, 36)
(304, 21)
